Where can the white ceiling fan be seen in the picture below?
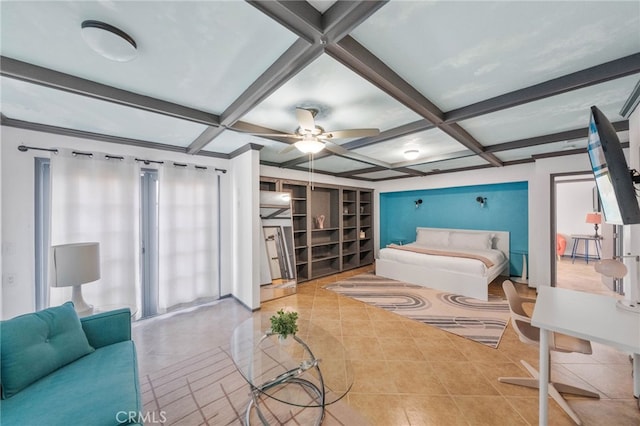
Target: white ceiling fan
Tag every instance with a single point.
(313, 138)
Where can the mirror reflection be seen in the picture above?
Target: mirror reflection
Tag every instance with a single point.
(277, 265)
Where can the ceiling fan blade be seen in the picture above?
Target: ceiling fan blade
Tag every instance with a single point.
(305, 120)
(335, 148)
(276, 135)
(288, 149)
(351, 133)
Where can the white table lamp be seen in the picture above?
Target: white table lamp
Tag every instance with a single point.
(74, 265)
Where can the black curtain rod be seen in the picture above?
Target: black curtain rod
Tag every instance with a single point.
(147, 162)
(25, 148)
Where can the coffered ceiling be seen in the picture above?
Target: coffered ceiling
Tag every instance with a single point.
(467, 84)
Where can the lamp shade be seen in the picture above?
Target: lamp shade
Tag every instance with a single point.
(595, 218)
(309, 145)
(75, 264)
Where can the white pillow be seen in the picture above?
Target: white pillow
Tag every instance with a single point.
(432, 238)
(468, 240)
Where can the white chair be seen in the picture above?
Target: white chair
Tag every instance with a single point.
(558, 342)
(611, 268)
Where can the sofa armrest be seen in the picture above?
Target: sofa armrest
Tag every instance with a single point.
(107, 328)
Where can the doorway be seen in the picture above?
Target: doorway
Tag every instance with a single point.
(580, 236)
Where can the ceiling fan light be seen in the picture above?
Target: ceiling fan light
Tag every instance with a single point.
(109, 41)
(411, 154)
(309, 145)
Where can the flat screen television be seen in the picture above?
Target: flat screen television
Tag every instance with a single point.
(613, 178)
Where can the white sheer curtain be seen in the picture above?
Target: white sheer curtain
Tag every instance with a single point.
(188, 235)
(97, 199)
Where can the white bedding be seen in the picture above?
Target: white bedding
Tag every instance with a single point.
(446, 263)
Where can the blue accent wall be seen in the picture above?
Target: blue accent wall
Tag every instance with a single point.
(506, 209)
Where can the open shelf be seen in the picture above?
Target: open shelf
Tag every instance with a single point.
(335, 244)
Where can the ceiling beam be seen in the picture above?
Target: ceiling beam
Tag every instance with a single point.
(298, 17)
(63, 131)
(291, 62)
(30, 73)
(588, 77)
(344, 16)
(404, 130)
(433, 159)
(311, 26)
(255, 130)
(458, 133)
(567, 135)
(559, 153)
(364, 63)
(458, 169)
(632, 102)
(362, 158)
(353, 173)
(408, 171)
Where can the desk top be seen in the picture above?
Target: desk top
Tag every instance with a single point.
(589, 316)
(586, 237)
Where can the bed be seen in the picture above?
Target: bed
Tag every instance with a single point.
(458, 261)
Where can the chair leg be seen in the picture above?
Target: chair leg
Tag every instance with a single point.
(521, 381)
(565, 388)
(553, 392)
(533, 382)
(534, 373)
(554, 389)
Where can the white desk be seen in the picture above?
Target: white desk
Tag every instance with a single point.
(588, 316)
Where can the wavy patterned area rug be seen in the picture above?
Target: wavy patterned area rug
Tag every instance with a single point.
(483, 322)
(207, 389)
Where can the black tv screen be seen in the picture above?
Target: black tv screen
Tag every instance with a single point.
(612, 175)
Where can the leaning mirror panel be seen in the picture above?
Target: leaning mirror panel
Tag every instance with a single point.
(277, 264)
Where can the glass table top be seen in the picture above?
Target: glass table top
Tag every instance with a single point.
(313, 360)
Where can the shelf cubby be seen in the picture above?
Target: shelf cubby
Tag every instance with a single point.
(335, 245)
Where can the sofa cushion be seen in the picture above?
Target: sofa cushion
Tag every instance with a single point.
(99, 389)
(36, 344)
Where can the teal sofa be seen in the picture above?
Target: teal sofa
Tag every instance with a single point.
(58, 369)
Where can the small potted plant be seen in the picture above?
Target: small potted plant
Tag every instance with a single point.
(284, 324)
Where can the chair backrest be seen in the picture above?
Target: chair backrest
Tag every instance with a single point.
(519, 318)
(611, 268)
(531, 334)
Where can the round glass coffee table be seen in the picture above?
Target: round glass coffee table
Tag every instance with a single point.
(305, 373)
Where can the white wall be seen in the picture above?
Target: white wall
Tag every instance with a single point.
(632, 232)
(540, 239)
(18, 175)
(245, 170)
(573, 202)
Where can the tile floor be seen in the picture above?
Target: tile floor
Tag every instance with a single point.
(407, 373)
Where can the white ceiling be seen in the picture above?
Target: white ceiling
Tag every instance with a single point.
(468, 84)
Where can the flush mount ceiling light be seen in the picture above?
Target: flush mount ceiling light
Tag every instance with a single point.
(109, 41)
(411, 154)
(309, 145)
